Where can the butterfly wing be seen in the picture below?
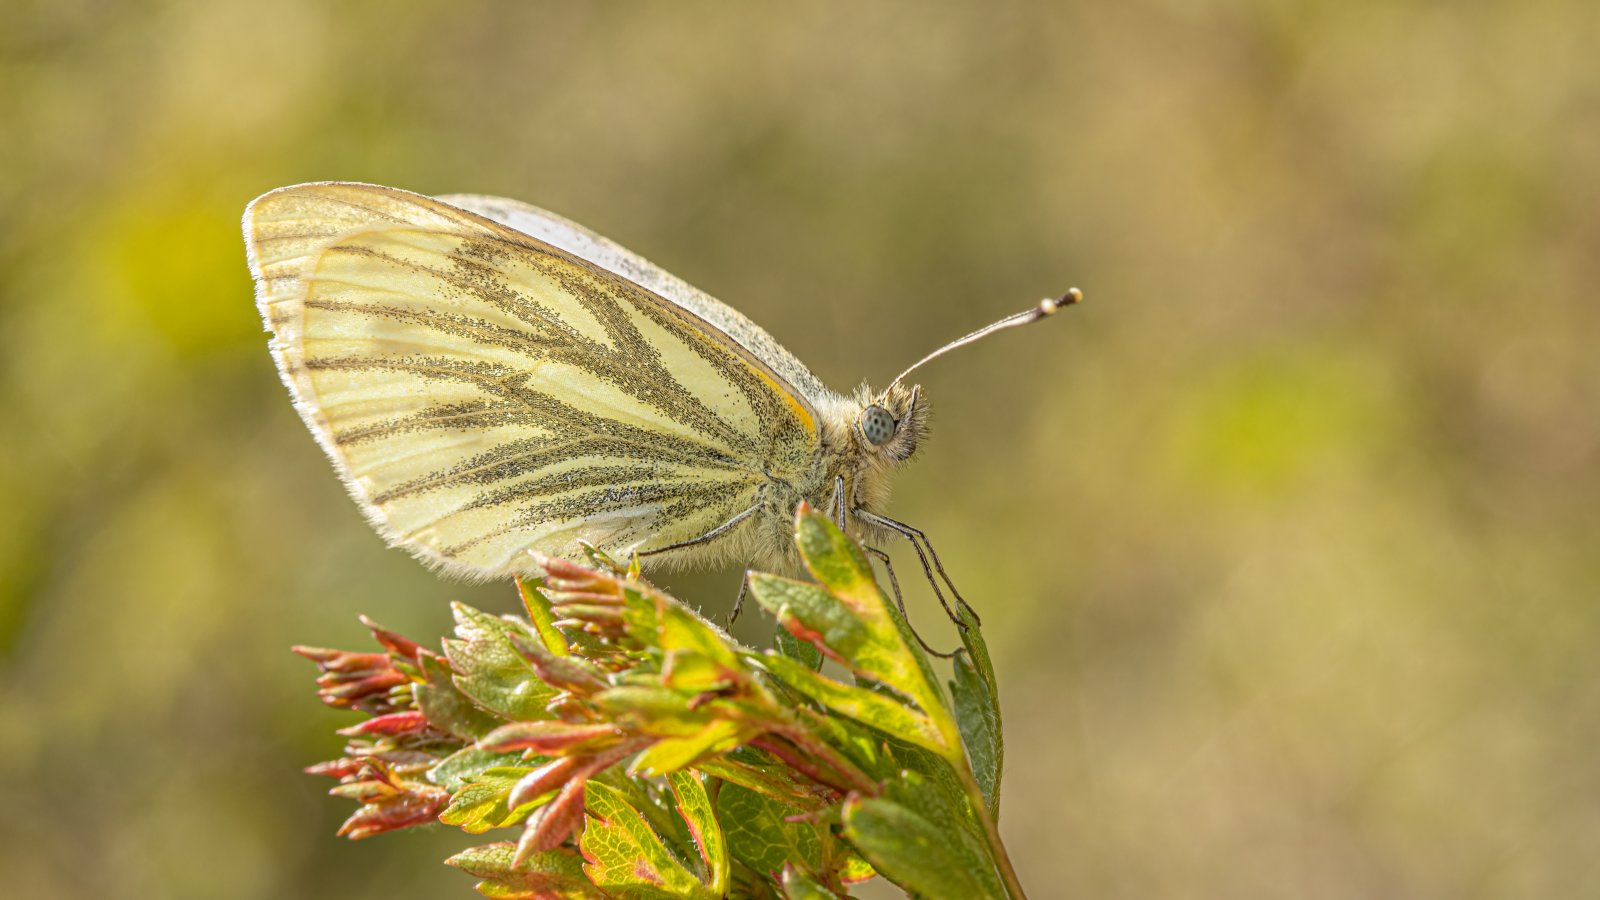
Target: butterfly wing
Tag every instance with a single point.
(600, 251)
(484, 392)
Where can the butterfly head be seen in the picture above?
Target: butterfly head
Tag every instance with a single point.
(891, 424)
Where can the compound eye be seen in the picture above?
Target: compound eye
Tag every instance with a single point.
(877, 425)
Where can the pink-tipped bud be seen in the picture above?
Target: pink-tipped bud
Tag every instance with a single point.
(400, 646)
(543, 780)
(546, 738)
(552, 824)
(339, 692)
(399, 811)
(410, 722)
(337, 768)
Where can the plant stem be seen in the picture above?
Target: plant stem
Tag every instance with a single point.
(956, 755)
(991, 831)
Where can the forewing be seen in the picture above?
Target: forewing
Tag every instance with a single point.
(484, 393)
(556, 231)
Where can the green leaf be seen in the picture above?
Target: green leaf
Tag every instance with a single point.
(852, 868)
(640, 611)
(979, 713)
(859, 743)
(445, 706)
(656, 807)
(941, 800)
(654, 710)
(689, 730)
(930, 857)
(491, 671)
(972, 637)
(800, 651)
(481, 803)
(811, 614)
(683, 632)
(759, 837)
(979, 720)
(833, 559)
(544, 621)
(847, 617)
(671, 754)
(758, 773)
(865, 706)
(553, 875)
(937, 782)
(748, 884)
(463, 765)
(694, 804)
(626, 858)
(696, 674)
(836, 561)
(800, 885)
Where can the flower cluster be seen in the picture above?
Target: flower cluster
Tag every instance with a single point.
(644, 752)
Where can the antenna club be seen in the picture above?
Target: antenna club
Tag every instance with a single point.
(1049, 305)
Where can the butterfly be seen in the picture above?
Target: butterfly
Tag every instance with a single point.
(491, 379)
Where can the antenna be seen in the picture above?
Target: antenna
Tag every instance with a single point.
(1046, 307)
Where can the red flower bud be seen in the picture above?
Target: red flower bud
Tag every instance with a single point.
(409, 722)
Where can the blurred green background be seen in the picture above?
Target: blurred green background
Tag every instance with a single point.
(1288, 540)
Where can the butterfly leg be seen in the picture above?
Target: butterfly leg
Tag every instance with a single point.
(918, 540)
(706, 538)
(894, 583)
(738, 602)
(838, 501)
(900, 601)
(709, 536)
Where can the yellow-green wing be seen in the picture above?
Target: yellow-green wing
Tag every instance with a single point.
(599, 251)
(484, 393)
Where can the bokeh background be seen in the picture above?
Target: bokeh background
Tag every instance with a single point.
(1288, 540)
